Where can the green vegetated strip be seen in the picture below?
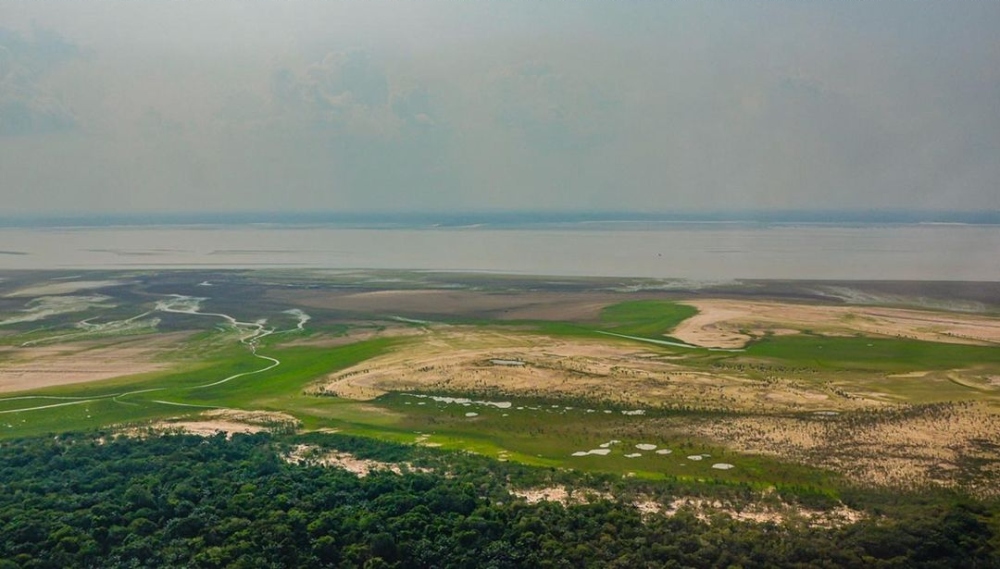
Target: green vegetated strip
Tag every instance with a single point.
(547, 437)
(867, 353)
(647, 318)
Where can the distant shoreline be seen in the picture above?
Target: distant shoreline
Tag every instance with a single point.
(501, 220)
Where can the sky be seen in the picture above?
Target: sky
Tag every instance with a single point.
(647, 106)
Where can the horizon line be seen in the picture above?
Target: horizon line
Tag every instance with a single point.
(500, 217)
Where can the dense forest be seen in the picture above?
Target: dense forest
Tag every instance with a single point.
(185, 501)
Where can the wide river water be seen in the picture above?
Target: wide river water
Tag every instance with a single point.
(670, 250)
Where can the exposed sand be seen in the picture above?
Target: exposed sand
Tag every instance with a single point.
(703, 509)
(205, 428)
(777, 513)
(561, 494)
(228, 421)
(722, 323)
(947, 445)
(458, 358)
(307, 454)
(23, 368)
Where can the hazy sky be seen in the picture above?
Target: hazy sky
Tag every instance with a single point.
(157, 105)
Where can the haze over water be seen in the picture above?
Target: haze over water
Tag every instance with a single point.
(659, 250)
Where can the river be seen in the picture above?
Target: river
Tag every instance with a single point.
(669, 250)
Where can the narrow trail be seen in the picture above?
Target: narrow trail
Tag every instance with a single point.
(89, 329)
(669, 343)
(48, 406)
(250, 335)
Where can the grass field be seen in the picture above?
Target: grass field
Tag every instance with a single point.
(646, 318)
(873, 354)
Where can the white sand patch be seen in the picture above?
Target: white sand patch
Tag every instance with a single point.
(648, 507)
(596, 451)
(211, 423)
(264, 418)
(462, 401)
(779, 513)
(633, 455)
(694, 457)
(664, 451)
(635, 412)
(205, 428)
(45, 306)
(361, 467)
(512, 363)
(561, 494)
(472, 414)
(411, 320)
(723, 466)
(645, 446)
(300, 315)
(609, 443)
(181, 304)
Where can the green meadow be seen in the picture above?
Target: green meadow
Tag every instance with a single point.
(872, 354)
(646, 318)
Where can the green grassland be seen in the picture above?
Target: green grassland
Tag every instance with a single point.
(543, 433)
(872, 354)
(646, 318)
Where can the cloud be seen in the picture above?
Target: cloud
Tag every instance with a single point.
(26, 105)
(647, 106)
(377, 132)
(551, 109)
(40, 51)
(349, 94)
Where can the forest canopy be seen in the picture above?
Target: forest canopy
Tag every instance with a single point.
(180, 500)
